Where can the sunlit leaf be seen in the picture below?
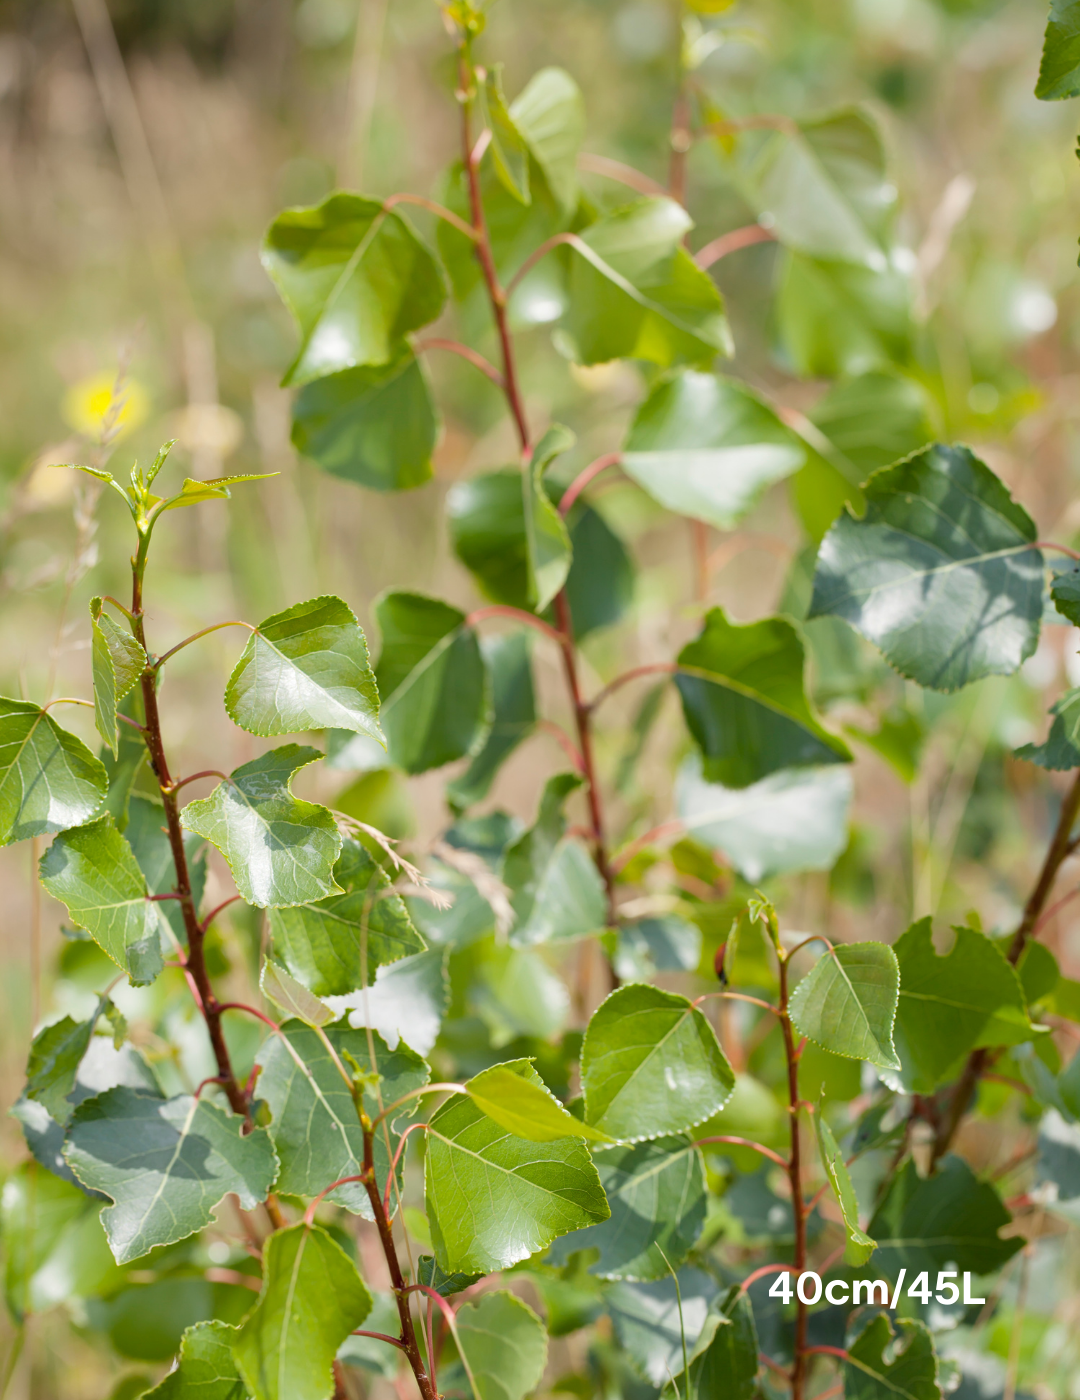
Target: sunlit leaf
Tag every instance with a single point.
(49, 780)
(1059, 71)
(859, 1244)
(406, 1001)
(205, 1369)
(503, 1345)
(516, 1098)
(847, 1002)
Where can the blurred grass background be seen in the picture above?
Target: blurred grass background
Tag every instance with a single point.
(145, 145)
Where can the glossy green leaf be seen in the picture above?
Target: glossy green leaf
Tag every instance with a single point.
(635, 292)
(446, 1285)
(376, 426)
(838, 318)
(656, 1191)
(514, 1096)
(508, 657)
(165, 1163)
(549, 113)
(949, 1220)
(55, 1056)
(555, 889)
(650, 1065)
(305, 668)
(950, 1004)
(195, 492)
(1065, 591)
(356, 278)
(796, 819)
(503, 1345)
(493, 1198)
(1059, 71)
(432, 681)
(118, 661)
(508, 149)
(1061, 750)
(93, 872)
(859, 1244)
(54, 1247)
(334, 946)
(407, 1000)
(939, 573)
(909, 1370)
(292, 996)
(823, 187)
(847, 1003)
(205, 1369)
(708, 447)
(314, 1127)
(725, 1359)
(49, 780)
(745, 704)
(650, 1319)
(280, 850)
(311, 1299)
(600, 584)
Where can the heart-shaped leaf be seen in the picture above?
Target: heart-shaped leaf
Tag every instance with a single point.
(940, 573)
(744, 701)
(305, 668)
(357, 279)
(847, 1002)
(281, 851)
(93, 872)
(165, 1163)
(49, 780)
(650, 1065)
(432, 681)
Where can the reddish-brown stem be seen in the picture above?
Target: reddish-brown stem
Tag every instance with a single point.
(590, 473)
(794, 1170)
(1055, 908)
(557, 240)
(209, 919)
(826, 1351)
(379, 1337)
(1060, 548)
(654, 668)
(466, 352)
(732, 242)
(483, 250)
(309, 1214)
(194, 959)
(739, 996)
(251, 1011)
(1060, 849)
(157, 898)
(412, 1128)
(621, 173)
(214, 1079)
(194, 778)
(764, 1272)
(746, 1142)
(233, 1276)
(547, 726)
(439, 210)
(774, 1366)
(518, 614)
(204, 632)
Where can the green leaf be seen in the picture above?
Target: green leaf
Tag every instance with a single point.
(909, 1373)
(1061, 751)
(823, 187)
(600, 584)
(49, 780)
(311, 1299)
(650, 1319)
(725, 1359)
(635, 292)
(1059, 71)
(555, 889)
(55, 1056)
(946, 1221)
(1065, 591)
(796, 819)
(515, 993)
(546, 539)
(194, 493)
(503, 1346)
(356, 278)
(53, 1244)
(948, 1004)
(305, 668)
(859, 1244)
(549, 113)
(513, 703)
(663, 943)
(508, 148)
(375, 426)
(406, 1002)
(446, 1285)
(165, 1163)
(118, 661)
(432, 681)
(280, 850)
(314, 1126)
(839, 318)
(93, 872)
(516, 1098)
(874, 419)
(847, 1003)
(293, 997)
(745, 704)
(656, 1191)
(650, 1065)
(708, 447)
(206, 1369)
(939, 574)
(493, 1198)
(335, 945)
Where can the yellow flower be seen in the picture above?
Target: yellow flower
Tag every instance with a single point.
(86, 403)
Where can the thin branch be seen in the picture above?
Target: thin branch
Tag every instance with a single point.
(732, 242)
(379, 1337)
(518, 614)
(194, 778)
(739, 996)
(621, 173)
(826, 1351)
(547, 726)
(746, 1142)
(439, 210)
(66, 700)
(209, 919)
(309, 1214)
(764, 1272)
(412, 1128)
(654, 668)
(548, 246)
(450, 1088)
(205, 632)
(466, 352)
(234, 1276)
(1060, 548)
(108, 598)
(590, 473)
